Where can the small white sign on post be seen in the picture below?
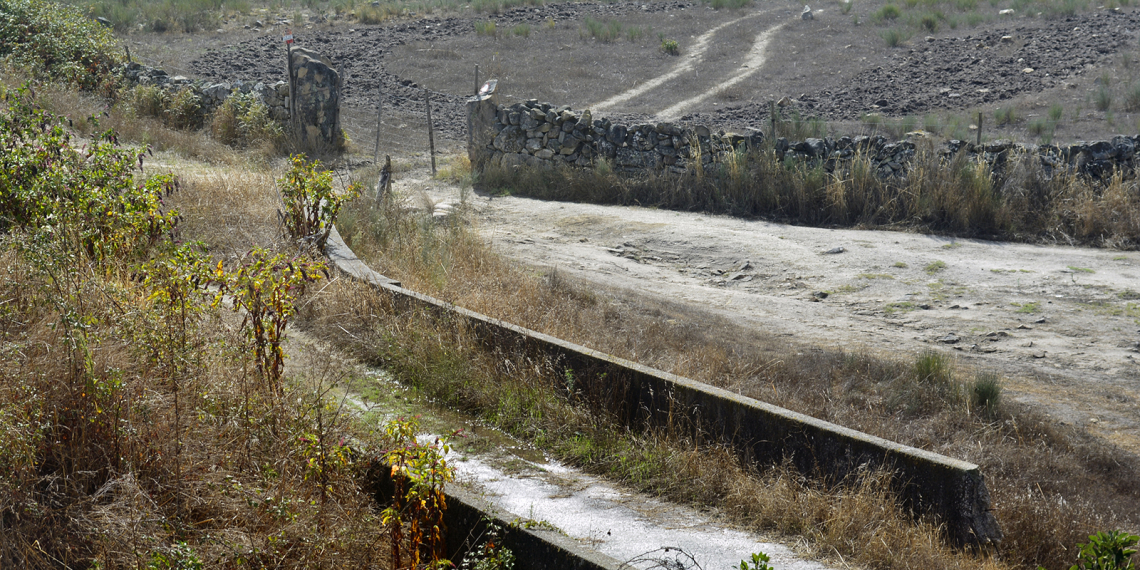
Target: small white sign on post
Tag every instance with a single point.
(288, 37)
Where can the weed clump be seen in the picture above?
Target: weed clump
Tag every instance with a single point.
(242, 121)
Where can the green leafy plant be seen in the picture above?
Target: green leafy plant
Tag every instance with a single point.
(419, 472)
(243, 121)
(179, 556)
(1110, 550)
(895, 37)
(759, 562)
(935, 266)
(58, 42)
(266, 287)
(887, 12)
(670, 47)
(311, 203)
(491, 553)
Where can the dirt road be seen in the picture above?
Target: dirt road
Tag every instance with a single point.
(1062, 324)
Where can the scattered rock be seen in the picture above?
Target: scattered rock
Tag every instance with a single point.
(1039, 321)
(1024, 327)
(1038, 354)
(924, 306)
(950, 339)
(806, 14)
(835, 250)
(819, 295)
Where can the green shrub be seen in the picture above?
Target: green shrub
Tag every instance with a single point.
(887, 12)
(929, 22)
(895, 37)
(670, 47)
(634, 33)
(184, 110)
(521, 30)
(1103, 98)
(1056, 111)
(1107, 551)
(485, 28)
(605, 32)
(986, 393)
(243, 121)
(56, 42)
(1005, 116)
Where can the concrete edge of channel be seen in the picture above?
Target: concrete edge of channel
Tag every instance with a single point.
(928, 482)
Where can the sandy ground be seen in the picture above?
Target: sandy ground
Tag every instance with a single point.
(1062, 324)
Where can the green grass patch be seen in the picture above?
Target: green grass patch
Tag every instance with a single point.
(876, 276)
(1027, 308)
(900, 307)
(934, 266)
(1080, 269)
(900, 265)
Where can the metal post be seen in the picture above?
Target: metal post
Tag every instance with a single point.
(431, 135)
(476, 79)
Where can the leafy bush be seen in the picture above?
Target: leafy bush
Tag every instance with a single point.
(1107, 551)
(521, 30)
(56, 42)
(1005, 115)
(243, 121)
(311, 204)
(1103, 98)
(670, 47)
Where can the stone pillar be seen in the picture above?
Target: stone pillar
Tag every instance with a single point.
(481, 131)
(318, 88)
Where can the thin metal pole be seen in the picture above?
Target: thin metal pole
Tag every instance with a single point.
(431, 135)
(476, 78)
(379, 110)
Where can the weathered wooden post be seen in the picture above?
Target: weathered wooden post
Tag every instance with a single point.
(431, 135)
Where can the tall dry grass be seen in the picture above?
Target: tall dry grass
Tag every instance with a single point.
(955, 195)
(1052, 486)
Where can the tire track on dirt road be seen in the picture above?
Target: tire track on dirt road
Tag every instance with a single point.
(753, 63)
(696, 54)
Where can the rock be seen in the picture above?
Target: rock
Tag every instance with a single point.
(950, 339)
(1005, 12)
(1039, 321)
(806, 14)
(820, 294)
(106, 23)
(835, 250)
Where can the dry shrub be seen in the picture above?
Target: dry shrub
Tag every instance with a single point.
(951, 195)
(230, 208)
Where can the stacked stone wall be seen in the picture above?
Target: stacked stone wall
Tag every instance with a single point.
(317, 83)
(540, 135)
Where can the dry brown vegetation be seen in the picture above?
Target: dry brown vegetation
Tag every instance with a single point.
(136, 429)
(1051, 486)
(954, 196)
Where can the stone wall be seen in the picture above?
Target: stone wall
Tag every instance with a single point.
(540, 135)
(317, 82)
(275, 96)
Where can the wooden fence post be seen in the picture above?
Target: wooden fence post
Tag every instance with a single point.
(431, 135)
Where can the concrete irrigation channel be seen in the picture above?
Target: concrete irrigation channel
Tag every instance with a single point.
(927, 482)
(552, 515)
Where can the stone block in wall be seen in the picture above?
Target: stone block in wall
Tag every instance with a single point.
(510, 139)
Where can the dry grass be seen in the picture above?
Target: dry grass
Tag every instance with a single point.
(1051, 486)
(137, 441)
(857, 520)
(955, 197)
